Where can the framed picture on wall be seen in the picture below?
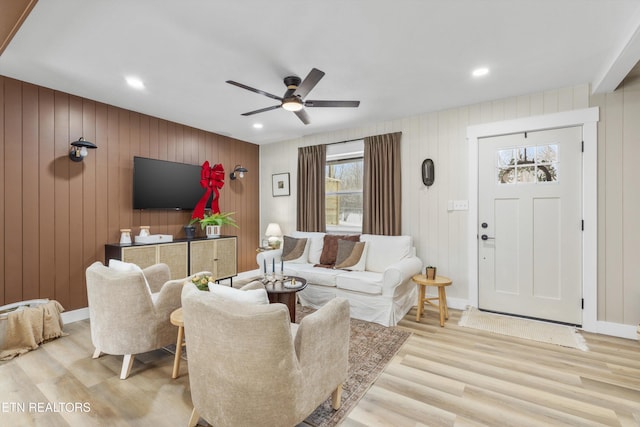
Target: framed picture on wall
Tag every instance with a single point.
(280, 184)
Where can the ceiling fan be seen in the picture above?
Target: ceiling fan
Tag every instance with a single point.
(294, 98)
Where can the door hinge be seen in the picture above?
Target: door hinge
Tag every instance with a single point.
(583, 146)
(582, 226)
(583, 303)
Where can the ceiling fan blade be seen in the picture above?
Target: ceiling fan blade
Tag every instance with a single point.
(261, 92)
(309, 83)
(351, 104)
(262, 110)
(303, 116)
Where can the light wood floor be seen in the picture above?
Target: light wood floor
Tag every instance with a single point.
(449, 376)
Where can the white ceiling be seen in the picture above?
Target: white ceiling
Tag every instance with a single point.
(399, 58)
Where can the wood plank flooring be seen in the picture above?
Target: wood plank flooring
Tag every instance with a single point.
(449, 376)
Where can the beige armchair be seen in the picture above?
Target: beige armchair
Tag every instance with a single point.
(248, 366)
(128, 316)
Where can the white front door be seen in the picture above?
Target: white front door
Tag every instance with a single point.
(530, 224)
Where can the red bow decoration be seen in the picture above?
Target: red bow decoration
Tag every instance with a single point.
(211, 179)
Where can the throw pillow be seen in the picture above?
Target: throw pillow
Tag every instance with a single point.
(351, 255)
(293, 250)
(330, 248)
(315, 243)
(128, 267)
(252, 296)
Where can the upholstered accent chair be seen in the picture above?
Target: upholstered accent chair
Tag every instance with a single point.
(248, 365)
(129, 310)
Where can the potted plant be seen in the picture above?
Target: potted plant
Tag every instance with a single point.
(211, 223)
(430, 272)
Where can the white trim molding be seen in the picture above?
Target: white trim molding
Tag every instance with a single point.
(75, 315)
(588, 119)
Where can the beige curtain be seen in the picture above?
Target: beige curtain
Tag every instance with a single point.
(311, 206)
(381, 188)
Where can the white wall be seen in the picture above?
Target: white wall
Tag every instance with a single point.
(440, 236)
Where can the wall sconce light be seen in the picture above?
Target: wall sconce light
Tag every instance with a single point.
(79, 149)
(238, 172)
(273, 233)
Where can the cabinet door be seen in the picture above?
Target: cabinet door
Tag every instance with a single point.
(175, 256)
(225, 258)
(202, 256)
(219, 256)
(142, 256)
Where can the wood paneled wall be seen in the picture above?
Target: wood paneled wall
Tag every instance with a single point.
(56, 215)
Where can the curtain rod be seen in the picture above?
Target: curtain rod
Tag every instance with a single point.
(348, 140)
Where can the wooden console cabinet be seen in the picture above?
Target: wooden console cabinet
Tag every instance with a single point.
(184, 257)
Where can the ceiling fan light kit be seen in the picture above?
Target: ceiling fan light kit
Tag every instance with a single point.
(292, 103)
(294, 98)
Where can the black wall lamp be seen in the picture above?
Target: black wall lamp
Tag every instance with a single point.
(428, 172)
(79, 149)
(238, 172)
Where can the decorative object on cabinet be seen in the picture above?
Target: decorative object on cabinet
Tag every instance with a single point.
(211, 223)
(212, 180)
(144, 231)
(190, 231)
(125, 236)
(238, 172)
(79, 149)
(280, 184)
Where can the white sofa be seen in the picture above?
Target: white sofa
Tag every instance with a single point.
(382, 293)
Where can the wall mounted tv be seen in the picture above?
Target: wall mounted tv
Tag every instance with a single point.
(160, 184)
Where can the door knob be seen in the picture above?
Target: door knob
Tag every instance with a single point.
(485, 237)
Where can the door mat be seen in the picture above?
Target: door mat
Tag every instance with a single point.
(552, 333)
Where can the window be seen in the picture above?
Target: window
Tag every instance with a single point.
(343, 186)
(527, 164)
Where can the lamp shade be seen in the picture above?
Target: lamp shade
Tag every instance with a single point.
(79, 149)
(273, 230)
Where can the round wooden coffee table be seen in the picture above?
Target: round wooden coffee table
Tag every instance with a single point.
(279, 292)
(441, 282)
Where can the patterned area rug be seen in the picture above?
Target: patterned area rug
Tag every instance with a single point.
(371, 348)
(552, 333)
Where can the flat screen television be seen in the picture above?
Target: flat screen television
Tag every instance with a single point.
(160, 184)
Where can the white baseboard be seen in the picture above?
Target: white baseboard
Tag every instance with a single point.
(617, 330)
(75, 315)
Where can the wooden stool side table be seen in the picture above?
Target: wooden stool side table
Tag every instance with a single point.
(441, 282)
(177, 320)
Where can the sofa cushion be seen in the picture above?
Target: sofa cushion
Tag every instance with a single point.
(313, 275)
(330, 248)
(382, 251)
(315, 242)
(251, 296)
(351, 255)
(294, 249)
(366, 282)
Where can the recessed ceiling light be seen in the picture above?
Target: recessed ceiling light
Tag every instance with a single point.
(479, 72)
(135, 82)
(257, 125)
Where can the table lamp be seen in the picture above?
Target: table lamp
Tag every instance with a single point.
(273, 234)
